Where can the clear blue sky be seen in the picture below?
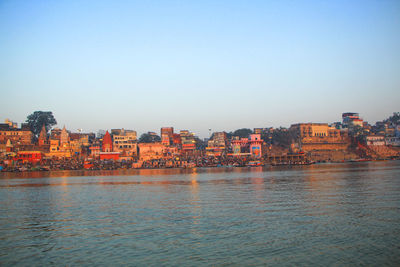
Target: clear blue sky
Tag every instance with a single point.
(199, 64)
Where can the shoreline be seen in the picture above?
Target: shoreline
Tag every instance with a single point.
(42, 170)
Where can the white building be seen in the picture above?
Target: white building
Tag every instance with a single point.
(392, 141)
(125, 142)
(375, 140)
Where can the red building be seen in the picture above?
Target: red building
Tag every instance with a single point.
(107, 143)
(29, 156)
(188, 147)
(109, 156)
(176, 138)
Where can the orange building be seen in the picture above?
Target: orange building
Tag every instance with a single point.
(149, 151)
(167, 135)
(17, 136)
(319, 136)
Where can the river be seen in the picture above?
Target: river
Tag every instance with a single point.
(324, 214)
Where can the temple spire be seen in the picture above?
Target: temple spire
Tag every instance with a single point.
(42, 136)
(64, 138)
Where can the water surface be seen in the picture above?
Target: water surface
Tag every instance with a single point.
(327, 214)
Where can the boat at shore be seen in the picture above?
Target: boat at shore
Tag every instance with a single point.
(254, 163)
(293, 163)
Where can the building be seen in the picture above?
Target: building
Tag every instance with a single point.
(29, 156)
(392, 141)
(95, 149)
(58, 150)
(55, 133)
(64, 137)
(12, 124)
(16, 135)
(318, 136)
(217, 145)
(375, 140)
(251, 146)
(188, 141)
(167, 135)
(240, 146)
(125, 142)
(107, 152)
(107, 145)
(255, 145)
(42, 140)
(85, 139)
(176, 140)
(151, 151)
(258, 130)
(131, 133)
(351, 119)
(114, 156)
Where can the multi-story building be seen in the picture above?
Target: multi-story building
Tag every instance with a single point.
(58, 150)
(251, 146)
(255, 145)
(318, 136)
(150, 151)
(167, 135)
(125, 143)
(21, 135)
(12, 124)
(131, 133)
(375, 140)
(107, 152)
(188, 141)
(217, 145)
(176, 140)
(55, 133)
(392, 141)
(351, 119)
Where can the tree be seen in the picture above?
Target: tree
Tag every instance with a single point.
(242, 133)
(200, 144)
(394, 119)
(149, 138)
(283, 137)
(39, 118)
(101, 133)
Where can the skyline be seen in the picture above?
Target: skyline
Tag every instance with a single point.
(210, 131)
(197, 66)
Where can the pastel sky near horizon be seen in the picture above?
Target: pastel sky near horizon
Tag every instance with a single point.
(198, 65)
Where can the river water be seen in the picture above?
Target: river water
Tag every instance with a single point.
(326, 214)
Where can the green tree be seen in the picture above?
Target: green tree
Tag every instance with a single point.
(37, 119)
(283, 137)
(394, 119)
(242, 133)
(200, 144)
(149, 138)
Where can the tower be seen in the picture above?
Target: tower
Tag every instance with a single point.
(64, 138)
(42, 136)
(9, 146)
(107, 143)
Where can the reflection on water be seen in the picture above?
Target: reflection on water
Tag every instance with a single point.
(329, 214)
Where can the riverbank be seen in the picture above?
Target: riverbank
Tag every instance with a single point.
(127, 166)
